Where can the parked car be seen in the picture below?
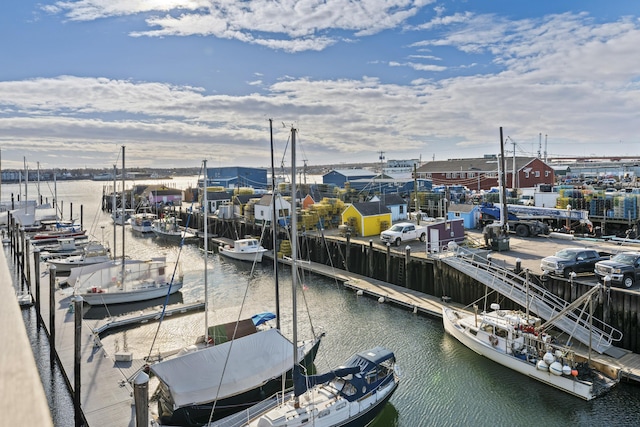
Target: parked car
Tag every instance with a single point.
(572, 260)
(623, 269)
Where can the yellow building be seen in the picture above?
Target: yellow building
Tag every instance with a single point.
(367, 219)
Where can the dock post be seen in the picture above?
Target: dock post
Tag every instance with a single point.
(77, 409)
(27, 259)
(82, 217)
(141, 399)
(370, 258)
(348, 250)
(388, 278)
(52, 314)
(407, 258)
(22, 259)
(36, 281)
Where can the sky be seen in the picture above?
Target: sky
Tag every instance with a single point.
(180, 81)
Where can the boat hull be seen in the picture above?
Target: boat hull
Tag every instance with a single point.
(477, 343)
(123, 297)
(241, 256)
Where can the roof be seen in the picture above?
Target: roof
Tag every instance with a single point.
(473, 165)
(353, 172)
(218, 195)
(371, 208)
(462, 207)
(253, 360)
(392, 199)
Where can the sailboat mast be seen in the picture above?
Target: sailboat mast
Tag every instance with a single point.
(113, 211)
(205, 204)
(274, 227)
(294, 251)
(26, 184)
(123, 203)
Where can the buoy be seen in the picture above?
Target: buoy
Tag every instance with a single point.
(548, 358)
(566, 370)
(415, 309)
(574, 372)
(360, 292)
(542, 365)
(556, 368)
(381, 299)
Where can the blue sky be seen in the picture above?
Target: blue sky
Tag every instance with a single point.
(178, 81)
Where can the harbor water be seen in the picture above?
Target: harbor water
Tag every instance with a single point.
(442, 383)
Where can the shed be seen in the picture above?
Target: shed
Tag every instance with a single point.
(441, 233)
(339, 176)
(368, 218)
(264, 209)
(467, 212)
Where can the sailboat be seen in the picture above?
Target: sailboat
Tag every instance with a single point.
(125, 281)
(352, 395)
(228, 372)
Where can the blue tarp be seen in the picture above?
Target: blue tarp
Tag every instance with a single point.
(261, 318)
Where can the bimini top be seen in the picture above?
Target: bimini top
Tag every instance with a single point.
(200, 376)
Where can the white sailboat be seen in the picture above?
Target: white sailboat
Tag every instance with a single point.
(125, 281)
(352, 395)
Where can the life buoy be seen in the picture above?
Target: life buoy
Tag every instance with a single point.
(493, 340)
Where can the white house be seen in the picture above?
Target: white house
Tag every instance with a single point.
(397, 205)
(263, 209)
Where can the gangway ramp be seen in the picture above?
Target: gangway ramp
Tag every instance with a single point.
(570, 318)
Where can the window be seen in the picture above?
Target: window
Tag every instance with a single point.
(401, 209)
(546, 174)
(537, 174)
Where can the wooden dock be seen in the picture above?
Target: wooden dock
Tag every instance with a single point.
(106, 392)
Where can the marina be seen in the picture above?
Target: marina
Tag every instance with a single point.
(403, 311)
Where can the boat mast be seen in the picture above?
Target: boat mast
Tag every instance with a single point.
(294, 256)
(205, 203)
(274, 228)
(113, 211)
(26, 185)
(123, 204)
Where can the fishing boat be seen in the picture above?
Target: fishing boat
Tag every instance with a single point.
(168, 228)
(232, 367)
(515, 340)
(142, 221)
(352, 395)
(121, 216)
(247, 249)
(92, 253)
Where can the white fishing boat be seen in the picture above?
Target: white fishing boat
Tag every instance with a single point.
(247, 249)
(92, 253)
(168, 228)
(515, 340)
(352, 395)
(122, 216)
(142, 221)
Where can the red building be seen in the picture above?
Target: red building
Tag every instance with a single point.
(482, 173)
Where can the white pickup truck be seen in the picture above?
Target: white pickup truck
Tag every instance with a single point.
(403, 232)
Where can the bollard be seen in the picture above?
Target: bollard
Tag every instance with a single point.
(407, 258)
(141, 399)
(370, 254)
(77, 377)
(518, 268)
(388, 262)
(27, 259)
(348, 250)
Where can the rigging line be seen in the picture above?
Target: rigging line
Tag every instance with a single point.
(233, 337)
(175, 268)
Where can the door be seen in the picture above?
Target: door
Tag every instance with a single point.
(434, 240)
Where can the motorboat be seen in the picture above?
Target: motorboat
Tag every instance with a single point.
(92, 253)
(247, 249)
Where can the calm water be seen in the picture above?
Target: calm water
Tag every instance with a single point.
(442, 384)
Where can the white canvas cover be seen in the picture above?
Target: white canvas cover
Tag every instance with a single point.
(195, 378)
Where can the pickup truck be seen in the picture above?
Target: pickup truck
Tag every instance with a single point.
(403, 232)
(623, 269)
(572, 260)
